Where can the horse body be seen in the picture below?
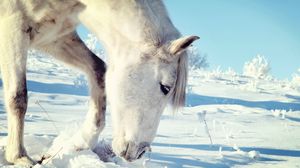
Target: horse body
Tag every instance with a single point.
(146, 66)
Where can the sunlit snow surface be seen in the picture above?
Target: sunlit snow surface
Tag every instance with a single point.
(252, 122)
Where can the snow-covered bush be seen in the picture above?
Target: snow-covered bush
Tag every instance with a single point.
(230, 72)
(280, 113)
(295, 83)
(216, 73)
(93, 44)
(258, 67)
(196, 60)
(80, 81)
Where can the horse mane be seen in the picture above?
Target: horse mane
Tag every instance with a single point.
(179, 95)
(165, 31)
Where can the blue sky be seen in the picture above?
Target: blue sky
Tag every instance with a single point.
(234, 31)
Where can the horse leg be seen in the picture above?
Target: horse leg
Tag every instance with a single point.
(13, 54)
(71, 50)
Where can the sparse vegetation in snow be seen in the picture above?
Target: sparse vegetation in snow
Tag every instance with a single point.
(258, 67)
(295, 83)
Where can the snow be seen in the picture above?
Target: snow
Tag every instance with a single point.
(252, 122)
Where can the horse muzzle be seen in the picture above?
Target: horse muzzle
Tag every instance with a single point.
(134, 151)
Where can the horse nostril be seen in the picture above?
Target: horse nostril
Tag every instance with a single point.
(144, 147)
(123, 153)
(141, 154)
(134, 151)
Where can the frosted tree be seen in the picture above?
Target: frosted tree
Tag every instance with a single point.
(295, 83)
(196, 60)
(258, 67)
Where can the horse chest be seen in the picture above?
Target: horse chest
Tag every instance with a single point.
(50, 23)
(48, 31)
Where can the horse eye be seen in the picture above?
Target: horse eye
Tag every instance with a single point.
(165, 89)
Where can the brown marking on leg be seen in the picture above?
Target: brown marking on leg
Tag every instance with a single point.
(99, 68)
(53, 21)
(19, 100)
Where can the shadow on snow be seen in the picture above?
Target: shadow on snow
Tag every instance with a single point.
(296, 98)
(195, 100)
(177, 161)
(55, 88)
(226, 161)
(1, 108)
(266, 151)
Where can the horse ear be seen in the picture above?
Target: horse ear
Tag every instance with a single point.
(178, 46)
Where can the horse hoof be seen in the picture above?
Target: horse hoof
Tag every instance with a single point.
(24, 161)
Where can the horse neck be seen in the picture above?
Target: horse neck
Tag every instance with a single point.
(127, 24)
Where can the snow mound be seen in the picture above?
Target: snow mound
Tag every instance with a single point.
(230, 120)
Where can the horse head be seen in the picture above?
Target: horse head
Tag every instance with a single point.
(138, 90)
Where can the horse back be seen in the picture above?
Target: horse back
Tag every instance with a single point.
(43, 20)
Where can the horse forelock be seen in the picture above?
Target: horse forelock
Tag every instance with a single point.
(179, 95)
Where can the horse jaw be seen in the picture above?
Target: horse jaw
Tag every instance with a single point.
(135, 105)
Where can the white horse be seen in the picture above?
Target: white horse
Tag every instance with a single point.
(147, 65)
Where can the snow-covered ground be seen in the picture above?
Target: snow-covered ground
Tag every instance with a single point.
(230, 121)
